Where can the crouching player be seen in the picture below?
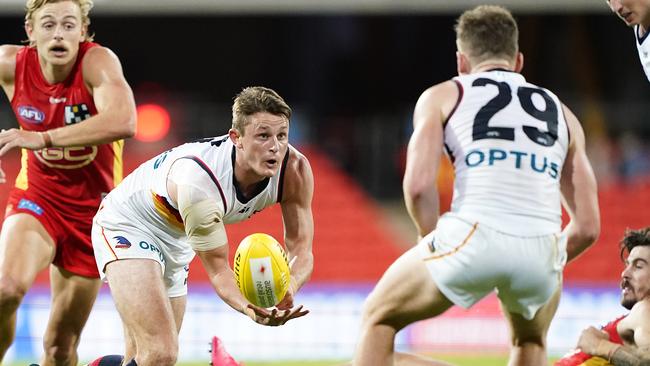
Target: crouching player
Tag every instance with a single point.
(174, 206)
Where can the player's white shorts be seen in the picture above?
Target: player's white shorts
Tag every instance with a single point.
(116, 237)
(468, 261)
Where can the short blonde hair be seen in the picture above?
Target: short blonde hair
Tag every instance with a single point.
(85, 5)
(254, 99)
(487, 32)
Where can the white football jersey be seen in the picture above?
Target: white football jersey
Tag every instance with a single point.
(208, 164)
(643, 47)
(508, 140)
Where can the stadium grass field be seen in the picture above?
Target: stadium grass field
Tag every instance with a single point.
(458, 360)
(475, 360)
(471, 360)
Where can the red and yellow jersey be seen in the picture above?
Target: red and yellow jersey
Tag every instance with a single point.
(579, 358)
(66, 176)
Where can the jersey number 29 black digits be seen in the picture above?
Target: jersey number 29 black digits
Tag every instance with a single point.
(481, 129)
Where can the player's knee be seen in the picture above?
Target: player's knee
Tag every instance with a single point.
(376, 312)
(59, 354)
(161, 357)
(11, 294)
(163, 352)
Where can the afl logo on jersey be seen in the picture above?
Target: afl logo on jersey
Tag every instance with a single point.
(31, 114)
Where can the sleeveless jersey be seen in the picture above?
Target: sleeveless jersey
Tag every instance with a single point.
(579, 358)
(508, 140)
(143, 197)
(72, 179)
(643, 48)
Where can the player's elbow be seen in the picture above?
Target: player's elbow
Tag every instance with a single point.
(587, 234)
(417, 190)
(129, 126)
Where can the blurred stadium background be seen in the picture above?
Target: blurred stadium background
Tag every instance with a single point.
(352, 71)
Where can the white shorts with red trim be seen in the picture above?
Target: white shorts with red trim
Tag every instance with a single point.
(116, 237)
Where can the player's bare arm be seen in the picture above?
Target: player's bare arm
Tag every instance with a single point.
(116, 116)
(222, 278)
(115, 119)
(8, 68)
(579, 198)
(424, 153)
(7, 75)
(634, 329)
(297, 195)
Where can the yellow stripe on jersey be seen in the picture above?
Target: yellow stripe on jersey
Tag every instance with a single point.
(166, 211)
(118, 167)
(21, 178)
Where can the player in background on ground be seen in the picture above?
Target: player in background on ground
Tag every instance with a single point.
(627, 341)
(518, 152)
(174, 207)
(74, 107)
(636, 14)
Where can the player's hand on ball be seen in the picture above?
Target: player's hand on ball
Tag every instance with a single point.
(273, 317)
(287, 300)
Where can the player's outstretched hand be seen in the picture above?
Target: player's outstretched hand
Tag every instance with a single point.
(273, 317)
(14, 137)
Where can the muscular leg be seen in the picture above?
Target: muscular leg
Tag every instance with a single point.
(140, 297)
(405, 294)
(25, 249)
(73, 297)
(178, 308)
(529, 336)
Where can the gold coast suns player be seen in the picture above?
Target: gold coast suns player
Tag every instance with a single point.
(73, 106)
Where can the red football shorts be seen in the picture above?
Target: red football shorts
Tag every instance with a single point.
(70, 231)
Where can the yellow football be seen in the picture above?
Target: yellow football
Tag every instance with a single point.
(261, 270)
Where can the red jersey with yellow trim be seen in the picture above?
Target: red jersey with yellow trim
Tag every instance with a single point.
(579, 358)
(66, 176)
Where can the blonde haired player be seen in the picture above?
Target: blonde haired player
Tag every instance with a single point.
(175, 206)
(73, 106)
(517, 153)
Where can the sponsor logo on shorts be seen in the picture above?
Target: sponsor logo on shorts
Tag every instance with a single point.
(31, 114)
(146, 246)
(122, 242)
(26, 204)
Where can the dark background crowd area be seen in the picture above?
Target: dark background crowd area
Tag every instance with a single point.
(353, 80)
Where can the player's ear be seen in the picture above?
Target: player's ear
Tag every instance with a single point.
(235, 137)
(462, 64)
(519, 62)
(29, 31)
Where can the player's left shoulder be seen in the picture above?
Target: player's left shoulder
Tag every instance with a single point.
(297, 162)
(639, 315)
(298, 175)
(99, 54)
(98, 61)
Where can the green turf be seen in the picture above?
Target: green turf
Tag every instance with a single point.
(471, 360)
(476, 360)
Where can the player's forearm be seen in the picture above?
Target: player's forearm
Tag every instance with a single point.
(424, 210)
(302, 268)
(225, 286)
(579, 238)
(99, 129)
(626, 356)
